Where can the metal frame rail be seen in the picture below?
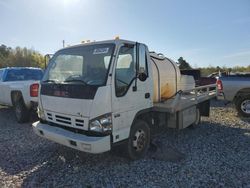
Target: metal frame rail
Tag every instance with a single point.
(187, 98)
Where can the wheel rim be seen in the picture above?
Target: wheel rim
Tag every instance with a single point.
(139, 141)
(245, 106)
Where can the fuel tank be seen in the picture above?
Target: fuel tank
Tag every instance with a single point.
(167, 78)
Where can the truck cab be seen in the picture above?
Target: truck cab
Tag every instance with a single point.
(97, 95)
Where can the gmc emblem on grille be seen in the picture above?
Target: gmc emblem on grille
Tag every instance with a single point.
(61, 93)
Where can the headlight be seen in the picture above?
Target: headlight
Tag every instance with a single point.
(101, 124)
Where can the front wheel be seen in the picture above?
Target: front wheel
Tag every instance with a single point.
(243, 106)
(139, 140)
(21, 111)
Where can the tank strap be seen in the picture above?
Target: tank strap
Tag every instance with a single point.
(159, 80)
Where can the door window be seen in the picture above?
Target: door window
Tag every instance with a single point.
(125, 69)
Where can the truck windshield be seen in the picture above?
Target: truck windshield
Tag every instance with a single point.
(86, 65)
(23, 74)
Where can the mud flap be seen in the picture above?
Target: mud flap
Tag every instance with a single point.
(204, 108)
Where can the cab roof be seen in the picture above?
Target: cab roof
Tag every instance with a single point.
(114, 41)
(19, 68)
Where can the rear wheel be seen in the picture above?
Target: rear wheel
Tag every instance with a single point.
(139, 140)
(21, 111)
(243, 106)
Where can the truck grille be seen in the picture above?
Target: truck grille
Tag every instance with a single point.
(65, 120)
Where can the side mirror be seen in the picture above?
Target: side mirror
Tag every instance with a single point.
(142, 76)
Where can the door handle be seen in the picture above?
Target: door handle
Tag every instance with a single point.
(147, 95)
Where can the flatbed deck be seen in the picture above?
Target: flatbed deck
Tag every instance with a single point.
(185, 99)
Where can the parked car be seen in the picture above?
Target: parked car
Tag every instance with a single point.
(235, 89)
(19, 88)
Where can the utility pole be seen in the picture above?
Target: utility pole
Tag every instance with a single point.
(63, 43)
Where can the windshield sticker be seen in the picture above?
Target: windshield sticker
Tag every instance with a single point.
(101, 51)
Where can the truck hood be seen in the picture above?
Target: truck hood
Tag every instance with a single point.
(67, 111)
(69, 106)
(71, 99)
(62, 104)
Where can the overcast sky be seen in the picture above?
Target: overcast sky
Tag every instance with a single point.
(204, 32)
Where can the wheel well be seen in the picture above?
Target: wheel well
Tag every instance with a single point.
(16, 96)
(144, 115)
(241, 93)
(157, 122)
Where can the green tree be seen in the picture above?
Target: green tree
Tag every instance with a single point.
(20, 57)
(4, 54)
(4, 51)
(205, 71)
(183, 64)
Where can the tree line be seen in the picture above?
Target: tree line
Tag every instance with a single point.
(205, 71)
(20, 57)
(23, 57)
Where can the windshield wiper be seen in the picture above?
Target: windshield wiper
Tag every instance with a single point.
(76, 80)
(47, 81)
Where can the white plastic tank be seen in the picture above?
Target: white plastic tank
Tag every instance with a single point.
(167, 78)
(186, 82)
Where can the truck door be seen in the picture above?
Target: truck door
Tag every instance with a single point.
(130, 94)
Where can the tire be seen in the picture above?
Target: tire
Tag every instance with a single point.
(197, 120)
(21, 112)
(243, 106)
(139, 140)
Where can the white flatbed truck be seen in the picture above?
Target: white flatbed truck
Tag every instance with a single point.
(115, 93)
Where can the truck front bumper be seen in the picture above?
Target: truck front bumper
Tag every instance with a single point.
(77, 141)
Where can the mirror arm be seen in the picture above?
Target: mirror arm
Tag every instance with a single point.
(136, 66)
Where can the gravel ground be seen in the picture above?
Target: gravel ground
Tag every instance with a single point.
(215, 154)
